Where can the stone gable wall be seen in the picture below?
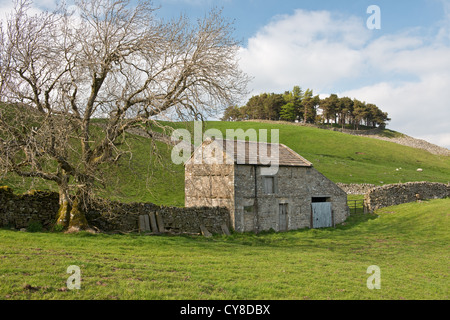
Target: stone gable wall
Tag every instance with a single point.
(294, 186)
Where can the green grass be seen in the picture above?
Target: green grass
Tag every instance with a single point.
(408, 242)
(354, 159)
(150, 176)
(147, 176)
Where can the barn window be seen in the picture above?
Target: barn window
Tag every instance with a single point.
(269, 185)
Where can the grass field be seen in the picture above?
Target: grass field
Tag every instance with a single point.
(354, 159)
(150, 176)
(409, 243)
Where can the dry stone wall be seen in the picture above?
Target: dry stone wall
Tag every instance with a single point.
(115, 216)
(17, 211)
(355, 188)
(395, 194)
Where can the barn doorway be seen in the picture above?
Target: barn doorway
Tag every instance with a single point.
(249, 218)
(321, 214)
(283, 217)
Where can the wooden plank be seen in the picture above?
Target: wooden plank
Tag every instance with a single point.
(141, 224)
(153, 223)
(146, 222)
(160, 222)
(225, 229)
(322, 215)
(205, 231)
(144, 225)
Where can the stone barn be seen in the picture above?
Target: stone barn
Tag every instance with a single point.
(264, 186)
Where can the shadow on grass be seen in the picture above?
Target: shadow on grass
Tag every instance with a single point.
(356, 219)
(301, 238)
(389, 134)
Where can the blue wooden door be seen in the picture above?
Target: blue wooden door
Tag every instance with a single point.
(321, 215)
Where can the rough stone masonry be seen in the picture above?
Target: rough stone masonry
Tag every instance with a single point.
(18, 211)
(395, 194)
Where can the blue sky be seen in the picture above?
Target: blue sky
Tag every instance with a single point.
(325, 45)
(252, 15)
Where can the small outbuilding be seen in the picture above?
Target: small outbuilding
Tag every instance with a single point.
(264, 186)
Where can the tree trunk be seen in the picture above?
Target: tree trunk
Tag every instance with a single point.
(63, 217)
(78, 219)
(71, 214)
(305, 115)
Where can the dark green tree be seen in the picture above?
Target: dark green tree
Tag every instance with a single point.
(289, 112)
(272, 106)
(359, 112)
(232, 113)
(310, 104)
(346, 111)
(329, 107)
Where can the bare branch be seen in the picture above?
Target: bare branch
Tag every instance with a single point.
(110, 60)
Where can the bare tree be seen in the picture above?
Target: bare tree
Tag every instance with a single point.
(110, 60)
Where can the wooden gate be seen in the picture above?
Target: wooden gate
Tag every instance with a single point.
(321, 215)
(356, 206)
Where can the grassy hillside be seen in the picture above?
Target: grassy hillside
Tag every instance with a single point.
(150, 175)
(354, 159)
(409, 243)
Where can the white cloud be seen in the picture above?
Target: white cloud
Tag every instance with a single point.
(296, 50)
(405, 74)
(418, 109)
(38, 6)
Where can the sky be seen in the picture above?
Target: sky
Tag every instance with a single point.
(326, 45)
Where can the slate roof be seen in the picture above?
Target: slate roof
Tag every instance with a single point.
(259, 153)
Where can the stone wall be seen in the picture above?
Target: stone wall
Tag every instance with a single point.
(17, 211)
(395, 194)
(114, 216)
(363, 132)
(416, 143)
(356, 188)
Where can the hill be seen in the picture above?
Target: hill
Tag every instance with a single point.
(148, 175)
